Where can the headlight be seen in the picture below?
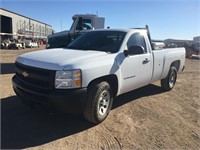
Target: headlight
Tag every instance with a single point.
(68, 79)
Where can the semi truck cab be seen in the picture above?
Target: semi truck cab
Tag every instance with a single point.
(81, 24)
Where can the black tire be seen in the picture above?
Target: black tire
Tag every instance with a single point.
(99, 102)
(169, 82)
(28, 103)
(12, 46)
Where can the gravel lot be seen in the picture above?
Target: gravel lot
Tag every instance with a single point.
(147, 118)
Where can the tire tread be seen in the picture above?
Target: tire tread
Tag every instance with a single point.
(90, 109)
(165, 81)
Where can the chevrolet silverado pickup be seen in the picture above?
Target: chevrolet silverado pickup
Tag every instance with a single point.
(95, 68)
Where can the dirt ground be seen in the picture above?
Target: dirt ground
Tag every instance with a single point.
(147, 118)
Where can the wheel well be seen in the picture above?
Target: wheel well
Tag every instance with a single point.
(111, 79)
(176, 64)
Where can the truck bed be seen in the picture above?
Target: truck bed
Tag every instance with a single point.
(162, 61)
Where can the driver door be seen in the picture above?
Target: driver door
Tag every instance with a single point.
(136, 69)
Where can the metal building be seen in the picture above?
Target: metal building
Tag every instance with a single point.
(19, 26)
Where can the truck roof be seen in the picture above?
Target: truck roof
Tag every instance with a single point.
(84, 15)
(123, 30)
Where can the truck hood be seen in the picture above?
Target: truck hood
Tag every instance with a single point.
(62, 59)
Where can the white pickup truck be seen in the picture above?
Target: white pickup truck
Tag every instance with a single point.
(93, 69)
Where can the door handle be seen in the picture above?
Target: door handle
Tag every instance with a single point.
(146, 61)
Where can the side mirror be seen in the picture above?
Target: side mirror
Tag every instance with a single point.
(134, 50)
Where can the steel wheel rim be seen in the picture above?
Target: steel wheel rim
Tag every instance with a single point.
(172, 79)
(103, 103)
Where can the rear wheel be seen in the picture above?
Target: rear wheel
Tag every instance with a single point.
(169, 82)
(99, 102)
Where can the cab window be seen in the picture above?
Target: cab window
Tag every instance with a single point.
(84, 24)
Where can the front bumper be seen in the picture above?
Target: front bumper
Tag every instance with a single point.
(70, 100)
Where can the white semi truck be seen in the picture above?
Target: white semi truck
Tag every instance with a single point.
(94, 69)
(81, 24)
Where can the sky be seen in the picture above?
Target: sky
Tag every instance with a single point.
(176, 19)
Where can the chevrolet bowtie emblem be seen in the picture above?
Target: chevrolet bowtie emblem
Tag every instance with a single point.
(25, 74)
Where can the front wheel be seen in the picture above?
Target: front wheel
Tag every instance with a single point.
(99, 102)
(169, 82)
(28, 103)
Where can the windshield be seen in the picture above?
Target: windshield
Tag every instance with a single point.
(107, 41)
